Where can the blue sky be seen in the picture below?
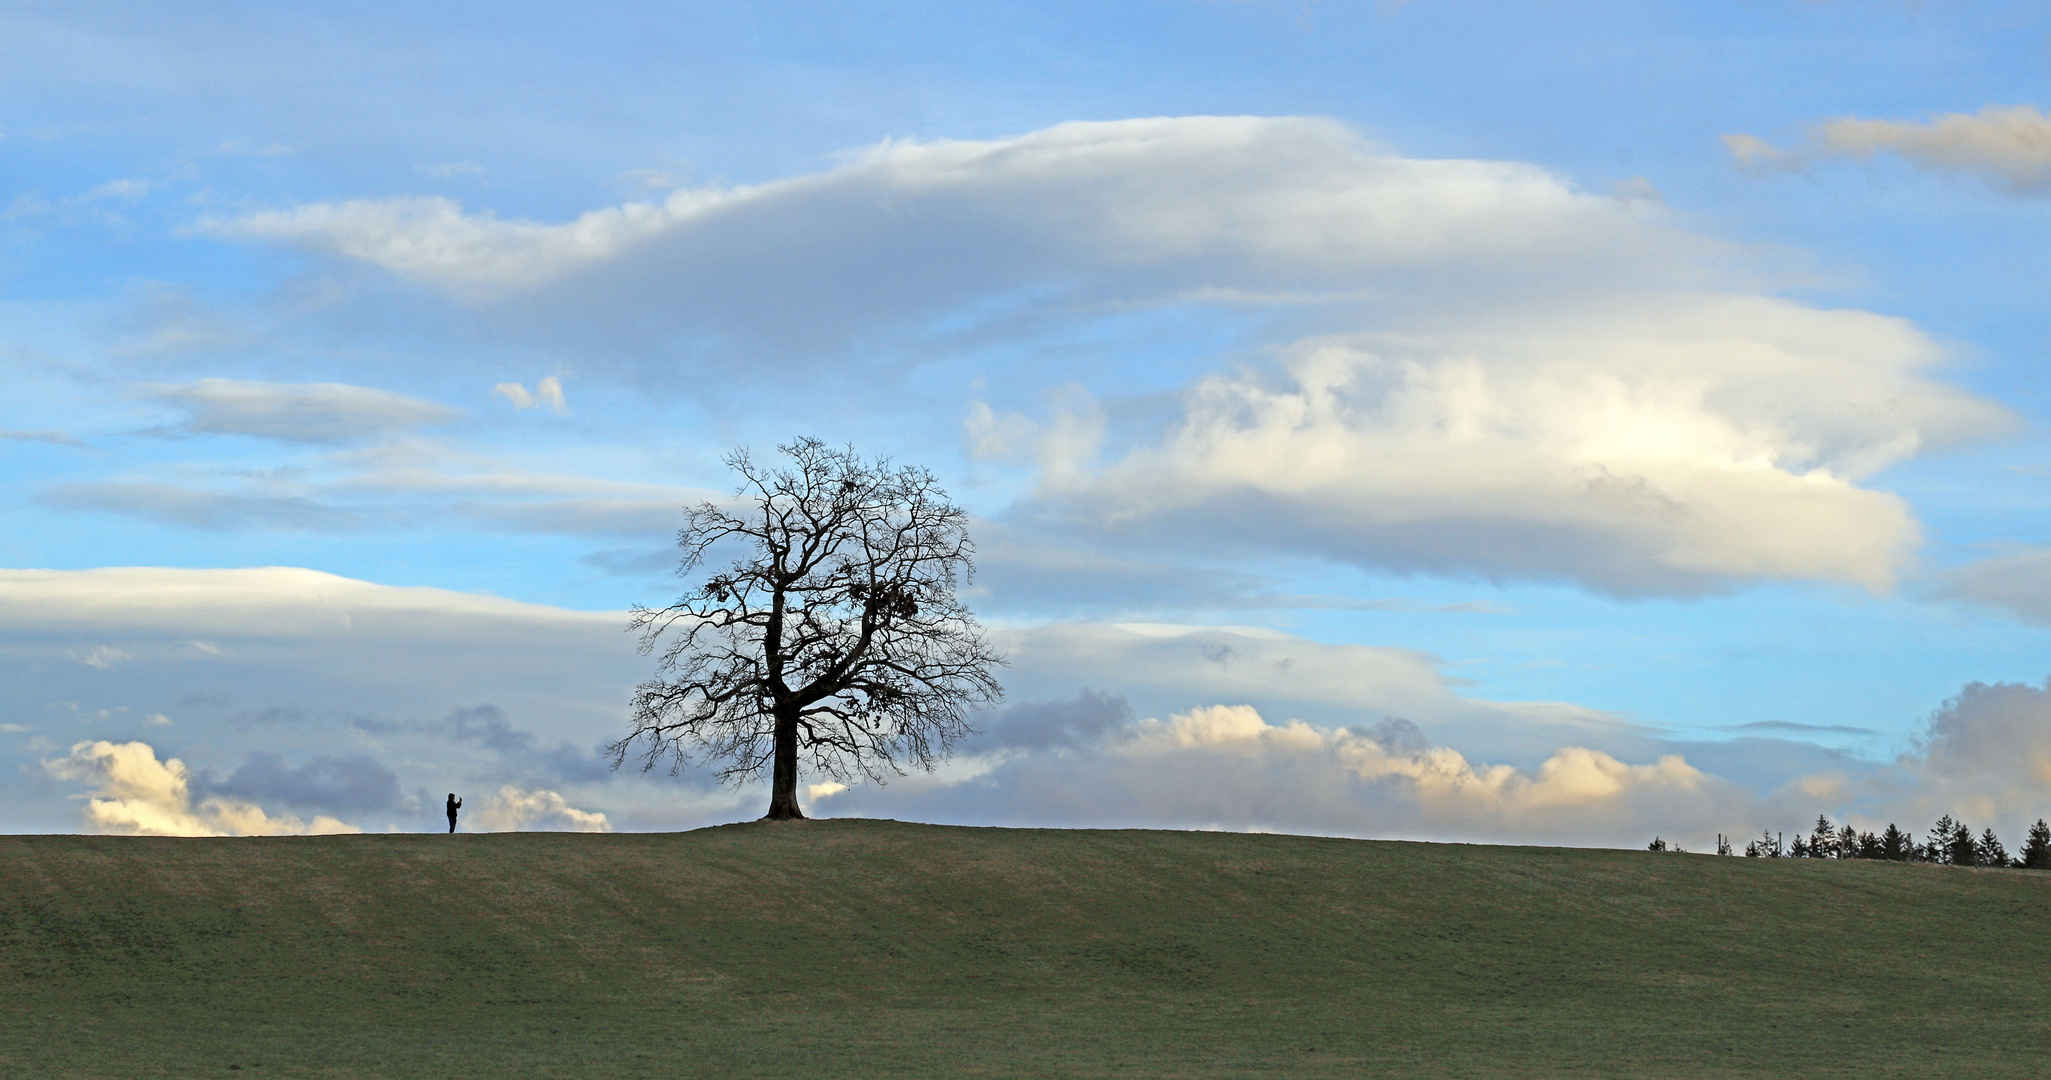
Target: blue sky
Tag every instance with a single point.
(1640, 404)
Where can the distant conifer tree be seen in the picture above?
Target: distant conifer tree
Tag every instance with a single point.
(1656, 845)
(1989, 852)
(1848, 843)
(1965, 851)
(1801, 848)
(1896, 844)
(1823, 839)
(1938, 848)
(1723, 844)
(2036, 852)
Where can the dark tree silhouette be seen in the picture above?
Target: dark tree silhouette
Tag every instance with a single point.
(1965, 851)
(1989, 850)
(835, 638)
(1937, 848)
(1823, 840)
(1896, 844)
(2036, 852)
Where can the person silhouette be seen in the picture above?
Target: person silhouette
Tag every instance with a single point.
(455, 804)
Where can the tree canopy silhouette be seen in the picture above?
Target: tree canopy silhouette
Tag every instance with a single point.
(834, 638)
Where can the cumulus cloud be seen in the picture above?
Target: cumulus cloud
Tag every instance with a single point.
(516, 810)
(294, 412)
(133, 793)
(1688, 444)
(2008, 145)
(1227, 766)
(1984, 757)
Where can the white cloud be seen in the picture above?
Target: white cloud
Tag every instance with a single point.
(2010, 145)
(295, 412)
(517, 810)
(1687, 443)
(272, 603)
(547, 393)
(1528, 381)
(1143, 210)
(1226, 766)
(133, 793)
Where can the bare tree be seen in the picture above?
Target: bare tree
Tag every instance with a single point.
(835, 638)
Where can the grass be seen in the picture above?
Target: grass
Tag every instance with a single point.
(872, 948)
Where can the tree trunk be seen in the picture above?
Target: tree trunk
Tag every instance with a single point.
(783, 776)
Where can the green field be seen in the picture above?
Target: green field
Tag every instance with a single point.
(871, 948)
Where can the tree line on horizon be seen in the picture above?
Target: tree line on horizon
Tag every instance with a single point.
(1951, 843)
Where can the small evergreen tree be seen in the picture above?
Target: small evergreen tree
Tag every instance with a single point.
(2036, 852)
(1938, 848)
(1869, 846)
(1723, 844)
(1823, 839)
(1848, 842)
(1656, 845)
(1801, 848)
(1989, 850)
(1965, 851)
(1896, 844)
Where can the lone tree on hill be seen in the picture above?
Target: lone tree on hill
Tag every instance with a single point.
(835, 637)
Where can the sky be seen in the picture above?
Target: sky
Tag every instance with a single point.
(1460, 420)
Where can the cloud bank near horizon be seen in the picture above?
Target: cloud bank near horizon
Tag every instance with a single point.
(1346, 740)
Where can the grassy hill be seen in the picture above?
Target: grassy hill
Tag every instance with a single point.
(869, 948)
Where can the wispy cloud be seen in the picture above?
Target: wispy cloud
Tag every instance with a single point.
(548, 393)
(294, 412)
(2007, 145)
(58, 438)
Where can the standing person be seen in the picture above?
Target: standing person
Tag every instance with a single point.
(455, 804)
